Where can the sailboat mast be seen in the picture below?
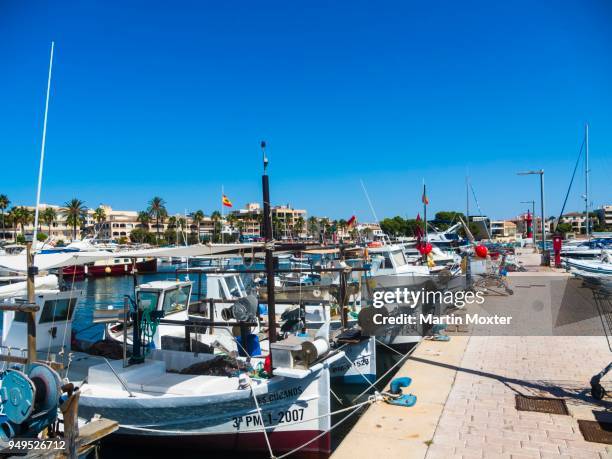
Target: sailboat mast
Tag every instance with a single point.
(424, 199)
(586, 178)
(42, 148)
(467, 197)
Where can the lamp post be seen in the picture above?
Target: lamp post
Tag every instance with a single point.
(541, 174)
(532, 202)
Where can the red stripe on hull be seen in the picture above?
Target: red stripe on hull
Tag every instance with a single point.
(149, 266)
(254, 442)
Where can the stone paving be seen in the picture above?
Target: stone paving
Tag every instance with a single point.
(479, 419)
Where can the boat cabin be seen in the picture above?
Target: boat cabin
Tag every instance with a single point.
(53, 320)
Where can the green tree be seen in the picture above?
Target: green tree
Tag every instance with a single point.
(13, 222)
(21, 217)
(144, 219)
(4, 203)
(216, 218)
(298, 227)
(313, 226)
(75, 213)
(48, 216)
(99, 215)
(142, 236)
(157, 210)
(564, 228)
(198, 216)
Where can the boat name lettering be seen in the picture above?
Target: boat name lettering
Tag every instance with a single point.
(280, 395)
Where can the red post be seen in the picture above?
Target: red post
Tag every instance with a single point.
(557, 243)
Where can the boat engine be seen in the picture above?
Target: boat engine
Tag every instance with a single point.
(29, 401)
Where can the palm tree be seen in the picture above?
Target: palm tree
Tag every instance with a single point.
(144, 218)
(157, 210)
(99, 215)
(298, 227)
(21, 217)
(216, 218)
(48, 216)
(4, 203)
(75, 213)
(12, 218)
(276, 226)
(313, 226)
(198, 216)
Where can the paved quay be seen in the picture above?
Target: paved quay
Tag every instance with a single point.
(466, 388)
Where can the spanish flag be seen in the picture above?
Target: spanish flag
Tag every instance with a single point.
(424, 198)
(226, 202)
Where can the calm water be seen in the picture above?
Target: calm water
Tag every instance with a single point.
(104, 291)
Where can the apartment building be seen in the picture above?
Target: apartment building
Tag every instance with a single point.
(503, 229)
(605, 215)
(287, 222)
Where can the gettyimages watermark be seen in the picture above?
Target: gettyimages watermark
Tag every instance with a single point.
(534, 305)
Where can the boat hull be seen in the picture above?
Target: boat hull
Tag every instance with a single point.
(115, 269)
(280, 442)
(295, 410)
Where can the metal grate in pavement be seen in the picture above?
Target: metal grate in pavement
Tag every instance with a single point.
(595, 431)
(541, 405)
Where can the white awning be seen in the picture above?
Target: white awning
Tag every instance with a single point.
(46, 261)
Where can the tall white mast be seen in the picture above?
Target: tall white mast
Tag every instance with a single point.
(586, 178)
(42, 149)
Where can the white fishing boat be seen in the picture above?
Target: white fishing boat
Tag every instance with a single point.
(161, 397)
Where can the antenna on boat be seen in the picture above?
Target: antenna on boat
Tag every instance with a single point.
(42, 148)
(269, 249)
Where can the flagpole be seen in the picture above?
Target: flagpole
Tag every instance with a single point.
(222, 212)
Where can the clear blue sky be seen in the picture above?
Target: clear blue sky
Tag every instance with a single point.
(172, 98)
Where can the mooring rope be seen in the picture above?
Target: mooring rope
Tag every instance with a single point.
(405, 356)
(265, 432)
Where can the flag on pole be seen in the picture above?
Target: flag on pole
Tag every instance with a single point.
(418, 231)
(225, 201)
(424, 198)
(351, 221)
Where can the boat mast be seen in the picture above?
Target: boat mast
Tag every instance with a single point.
(269, 248)
(467, 198)
(42, 148)
(424, 199)
(586, 178)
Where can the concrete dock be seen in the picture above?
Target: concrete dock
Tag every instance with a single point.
(466, 390)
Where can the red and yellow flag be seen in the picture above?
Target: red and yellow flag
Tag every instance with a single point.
(226, 202)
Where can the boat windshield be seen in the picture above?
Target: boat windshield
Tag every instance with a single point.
(177, 299)
(234, 286)
(53, 311)
(148, 300)
(399, 258)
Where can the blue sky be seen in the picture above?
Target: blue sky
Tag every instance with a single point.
(172, 98)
